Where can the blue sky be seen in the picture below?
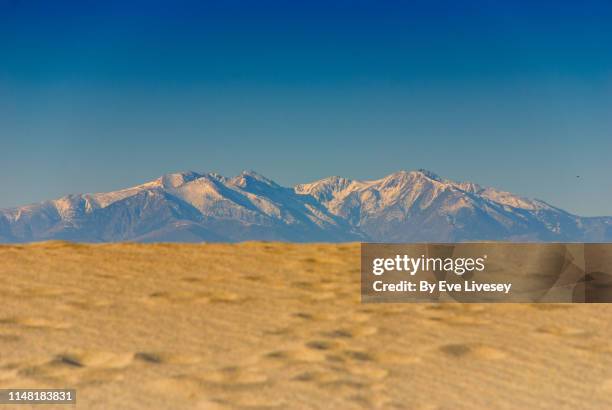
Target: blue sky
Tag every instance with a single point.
(97, 96)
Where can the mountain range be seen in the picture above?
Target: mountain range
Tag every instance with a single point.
(415, 206)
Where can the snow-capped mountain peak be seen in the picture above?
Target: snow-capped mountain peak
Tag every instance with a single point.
(404, 206)
(177, 179)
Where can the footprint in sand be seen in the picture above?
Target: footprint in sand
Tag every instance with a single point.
(339, 334)
(78, 368)
(328, 375)
(303, 315)
(367, 371)
(300, 354)
(99, 359)
(321, 345)
(235, 376)
(475, 351)
(230, 378)
(192, 279)
(192, 388)
(359, 355)
(318, 377)
(351, 332)
(322, 350)
(256, 278)
(315, 317)
(329, 365)
(166, 358)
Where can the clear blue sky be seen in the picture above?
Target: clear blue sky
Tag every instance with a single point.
(99, 95)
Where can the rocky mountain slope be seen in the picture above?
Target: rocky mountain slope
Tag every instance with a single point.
(402, 207)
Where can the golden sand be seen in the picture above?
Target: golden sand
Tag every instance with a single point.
(278, 326)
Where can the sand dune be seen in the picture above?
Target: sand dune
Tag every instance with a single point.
(275, 326)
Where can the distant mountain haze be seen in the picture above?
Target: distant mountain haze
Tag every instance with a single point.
(416, 206)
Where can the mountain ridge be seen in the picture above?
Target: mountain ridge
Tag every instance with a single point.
(405, 206)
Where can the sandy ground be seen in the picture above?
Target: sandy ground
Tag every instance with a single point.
(275, 326)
